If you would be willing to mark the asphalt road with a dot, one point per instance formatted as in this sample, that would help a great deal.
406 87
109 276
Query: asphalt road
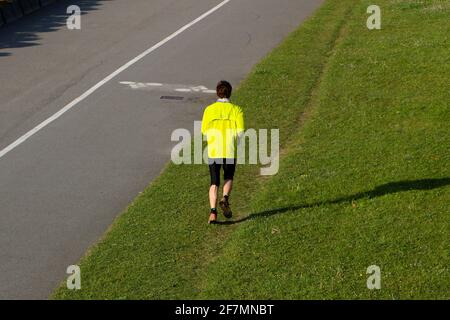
63 186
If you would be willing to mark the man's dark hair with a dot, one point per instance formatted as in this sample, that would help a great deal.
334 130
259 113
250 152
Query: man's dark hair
224 89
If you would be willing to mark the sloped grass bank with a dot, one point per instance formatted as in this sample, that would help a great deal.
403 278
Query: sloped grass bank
367 182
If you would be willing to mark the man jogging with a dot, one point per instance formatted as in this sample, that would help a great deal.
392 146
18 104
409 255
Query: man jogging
222 123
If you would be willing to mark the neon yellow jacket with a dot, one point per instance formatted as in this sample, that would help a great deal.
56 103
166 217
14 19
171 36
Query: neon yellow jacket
222 123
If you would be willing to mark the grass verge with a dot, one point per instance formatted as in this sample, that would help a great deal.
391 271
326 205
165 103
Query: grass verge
364 179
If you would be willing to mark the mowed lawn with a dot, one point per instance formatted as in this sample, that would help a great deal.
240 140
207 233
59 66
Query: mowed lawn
364 177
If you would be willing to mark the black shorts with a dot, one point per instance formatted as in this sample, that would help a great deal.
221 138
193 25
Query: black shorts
229 166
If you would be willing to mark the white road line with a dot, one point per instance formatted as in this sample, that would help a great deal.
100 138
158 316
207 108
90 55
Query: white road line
86 94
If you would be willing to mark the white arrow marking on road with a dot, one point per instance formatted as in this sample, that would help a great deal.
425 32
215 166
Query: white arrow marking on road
183 90
167 87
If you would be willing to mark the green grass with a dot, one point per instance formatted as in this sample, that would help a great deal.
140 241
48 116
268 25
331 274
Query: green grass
364 177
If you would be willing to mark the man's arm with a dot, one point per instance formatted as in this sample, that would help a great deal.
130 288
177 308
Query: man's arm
240 125
205 122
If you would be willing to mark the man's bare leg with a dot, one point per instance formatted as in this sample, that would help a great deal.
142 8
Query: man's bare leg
213 195
213 202
227 187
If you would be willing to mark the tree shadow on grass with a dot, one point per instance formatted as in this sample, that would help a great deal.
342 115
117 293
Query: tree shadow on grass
388 188
24 32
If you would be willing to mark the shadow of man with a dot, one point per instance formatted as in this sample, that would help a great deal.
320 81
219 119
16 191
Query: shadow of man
388 188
